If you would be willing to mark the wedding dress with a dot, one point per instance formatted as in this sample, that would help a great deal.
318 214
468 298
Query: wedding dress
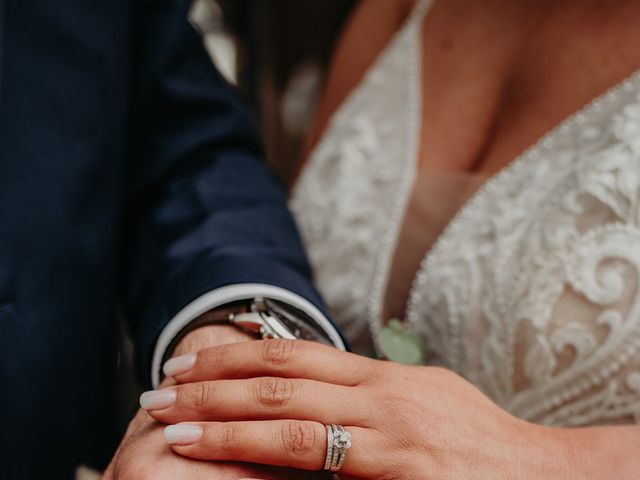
532 291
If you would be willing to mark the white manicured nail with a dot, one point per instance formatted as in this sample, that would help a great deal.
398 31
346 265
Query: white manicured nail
158 399
183 434
179 365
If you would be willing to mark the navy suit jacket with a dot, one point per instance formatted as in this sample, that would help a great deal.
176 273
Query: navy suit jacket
130 181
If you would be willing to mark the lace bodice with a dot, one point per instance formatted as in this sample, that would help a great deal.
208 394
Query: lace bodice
532 292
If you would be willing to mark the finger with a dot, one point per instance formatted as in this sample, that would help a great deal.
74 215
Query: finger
265 398
286 443
281 358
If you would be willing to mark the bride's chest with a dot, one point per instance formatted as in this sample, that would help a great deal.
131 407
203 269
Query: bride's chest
532 290
485 101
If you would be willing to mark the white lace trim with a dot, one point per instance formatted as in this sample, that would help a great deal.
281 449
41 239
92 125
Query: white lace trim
413 59
350 199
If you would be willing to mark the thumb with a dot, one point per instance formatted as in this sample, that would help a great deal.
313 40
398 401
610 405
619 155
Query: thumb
108 474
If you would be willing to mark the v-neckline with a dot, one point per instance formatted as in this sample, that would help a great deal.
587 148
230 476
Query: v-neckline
421 11
529 154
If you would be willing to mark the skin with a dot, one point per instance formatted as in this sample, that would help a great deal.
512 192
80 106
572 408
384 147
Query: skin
144 455
496 74
259 402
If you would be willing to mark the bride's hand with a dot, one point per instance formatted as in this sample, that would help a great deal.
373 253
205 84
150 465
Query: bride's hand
267 402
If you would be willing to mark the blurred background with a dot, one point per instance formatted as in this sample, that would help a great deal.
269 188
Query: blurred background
276 53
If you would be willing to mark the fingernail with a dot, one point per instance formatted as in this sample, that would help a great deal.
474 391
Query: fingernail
183 434
179 365
158 399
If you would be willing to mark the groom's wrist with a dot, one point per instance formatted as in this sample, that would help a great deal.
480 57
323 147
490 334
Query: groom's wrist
213 308
208 336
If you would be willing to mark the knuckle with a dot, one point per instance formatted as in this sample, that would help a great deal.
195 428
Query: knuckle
202 394
300 438
278 352
228 437
374 372
381 371
274 392
371 377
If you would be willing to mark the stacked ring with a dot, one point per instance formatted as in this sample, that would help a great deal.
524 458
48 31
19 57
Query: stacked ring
338 442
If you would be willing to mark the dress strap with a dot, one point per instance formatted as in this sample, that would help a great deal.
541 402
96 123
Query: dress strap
420 10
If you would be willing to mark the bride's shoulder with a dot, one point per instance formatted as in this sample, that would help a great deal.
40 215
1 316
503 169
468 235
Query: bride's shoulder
371 26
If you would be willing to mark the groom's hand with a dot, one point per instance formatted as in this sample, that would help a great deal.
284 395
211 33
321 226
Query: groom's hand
144 453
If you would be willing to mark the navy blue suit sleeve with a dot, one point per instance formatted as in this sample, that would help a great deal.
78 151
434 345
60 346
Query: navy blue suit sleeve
202 209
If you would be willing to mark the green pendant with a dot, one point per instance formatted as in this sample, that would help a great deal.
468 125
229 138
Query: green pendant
400 345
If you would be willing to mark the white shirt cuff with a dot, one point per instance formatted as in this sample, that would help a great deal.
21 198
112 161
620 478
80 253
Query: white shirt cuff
232 293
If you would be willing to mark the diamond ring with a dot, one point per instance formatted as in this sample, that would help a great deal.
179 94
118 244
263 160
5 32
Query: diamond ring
338 442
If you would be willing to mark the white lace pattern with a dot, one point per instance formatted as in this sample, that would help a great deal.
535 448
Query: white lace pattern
533 290
545 262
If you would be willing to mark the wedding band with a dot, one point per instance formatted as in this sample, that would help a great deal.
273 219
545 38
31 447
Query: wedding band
338 442
329 457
